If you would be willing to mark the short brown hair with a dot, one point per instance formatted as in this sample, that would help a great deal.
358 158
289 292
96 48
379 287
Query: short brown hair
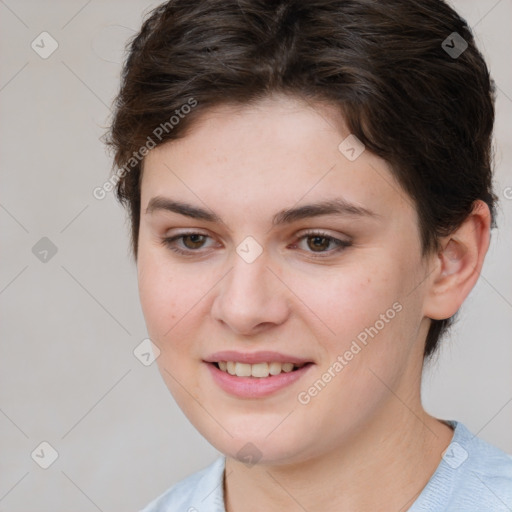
386 64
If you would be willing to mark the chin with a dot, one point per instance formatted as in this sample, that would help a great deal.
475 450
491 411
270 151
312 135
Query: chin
256 441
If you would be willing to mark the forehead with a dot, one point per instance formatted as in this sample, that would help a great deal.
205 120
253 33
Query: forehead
260 158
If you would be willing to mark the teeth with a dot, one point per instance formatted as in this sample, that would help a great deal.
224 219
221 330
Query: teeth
260 370
287 367
274 368
243 370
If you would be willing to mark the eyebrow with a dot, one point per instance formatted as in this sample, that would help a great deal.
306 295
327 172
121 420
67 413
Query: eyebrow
336 206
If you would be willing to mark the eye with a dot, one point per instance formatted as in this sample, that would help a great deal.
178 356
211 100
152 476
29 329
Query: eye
191 241
319 243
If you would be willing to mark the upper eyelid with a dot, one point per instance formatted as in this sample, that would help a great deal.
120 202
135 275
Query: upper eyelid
307 232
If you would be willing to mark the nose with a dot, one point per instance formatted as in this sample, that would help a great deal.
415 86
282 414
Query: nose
251 298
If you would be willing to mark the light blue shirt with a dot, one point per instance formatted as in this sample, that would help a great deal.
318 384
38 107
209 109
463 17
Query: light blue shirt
473 476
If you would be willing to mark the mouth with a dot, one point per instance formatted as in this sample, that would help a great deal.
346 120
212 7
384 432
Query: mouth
258 370
255 375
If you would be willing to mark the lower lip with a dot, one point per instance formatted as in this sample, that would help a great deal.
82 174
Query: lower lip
255 387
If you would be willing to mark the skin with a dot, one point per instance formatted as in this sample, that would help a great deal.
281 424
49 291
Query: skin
364 442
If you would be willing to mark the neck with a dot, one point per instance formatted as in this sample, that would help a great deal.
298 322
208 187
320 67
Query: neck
383 465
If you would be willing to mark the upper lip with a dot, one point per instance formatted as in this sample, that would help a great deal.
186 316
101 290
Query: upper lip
255 357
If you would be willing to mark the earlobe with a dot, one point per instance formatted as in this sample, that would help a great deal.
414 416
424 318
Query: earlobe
458 264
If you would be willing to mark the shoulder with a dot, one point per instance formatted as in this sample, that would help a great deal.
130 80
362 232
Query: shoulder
473 475
486 469
200 491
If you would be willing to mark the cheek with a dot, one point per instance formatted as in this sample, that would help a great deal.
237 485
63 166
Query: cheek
175 304
156 295
169 302
164 296
365 314
342 302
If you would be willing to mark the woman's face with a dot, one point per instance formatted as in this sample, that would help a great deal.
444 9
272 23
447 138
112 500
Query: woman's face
268 272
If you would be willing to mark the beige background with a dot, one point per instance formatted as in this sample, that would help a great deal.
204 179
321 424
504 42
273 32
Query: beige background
68 375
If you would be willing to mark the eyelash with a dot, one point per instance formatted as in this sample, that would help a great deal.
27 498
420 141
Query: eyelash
341 244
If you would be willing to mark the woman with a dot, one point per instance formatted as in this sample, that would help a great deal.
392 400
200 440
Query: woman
309 187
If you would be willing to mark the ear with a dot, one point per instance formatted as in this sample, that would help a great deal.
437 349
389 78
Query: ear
458 264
